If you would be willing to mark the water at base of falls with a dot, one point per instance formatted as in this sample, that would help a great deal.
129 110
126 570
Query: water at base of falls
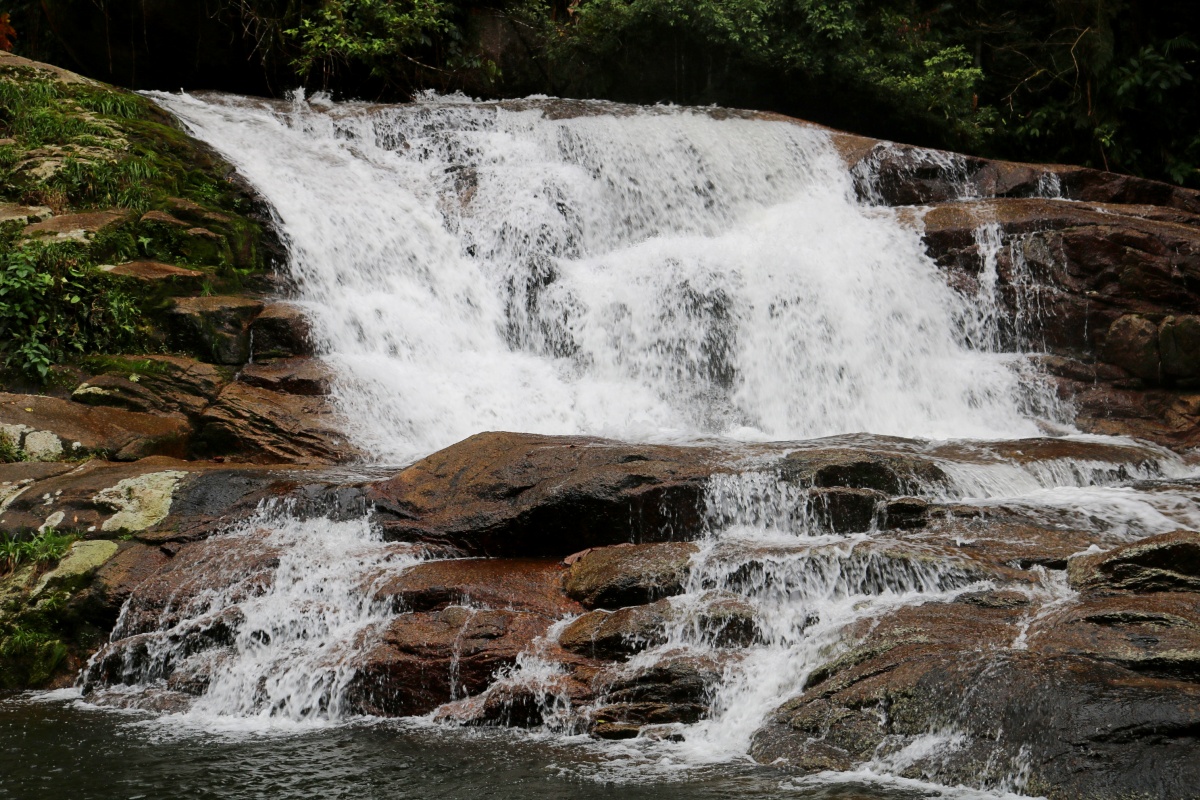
653 274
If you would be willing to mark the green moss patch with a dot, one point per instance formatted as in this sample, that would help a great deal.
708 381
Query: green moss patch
76 146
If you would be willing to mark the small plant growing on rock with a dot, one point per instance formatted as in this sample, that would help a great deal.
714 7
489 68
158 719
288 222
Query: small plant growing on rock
42 549
10 451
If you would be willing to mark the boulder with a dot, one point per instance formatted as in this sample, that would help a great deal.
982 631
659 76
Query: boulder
617 634
509 494
215 329
269 427
676 689
1166 563
52 429
163 384
859 465
282 330
132 564
625 575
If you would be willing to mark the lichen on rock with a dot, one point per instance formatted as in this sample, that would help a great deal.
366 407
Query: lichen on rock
139 502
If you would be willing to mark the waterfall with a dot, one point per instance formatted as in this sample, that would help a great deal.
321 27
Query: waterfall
645 274
634 273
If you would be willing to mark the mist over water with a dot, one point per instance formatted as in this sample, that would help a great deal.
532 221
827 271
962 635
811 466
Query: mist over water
638 274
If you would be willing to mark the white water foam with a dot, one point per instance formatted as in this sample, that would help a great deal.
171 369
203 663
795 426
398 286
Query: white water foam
635 273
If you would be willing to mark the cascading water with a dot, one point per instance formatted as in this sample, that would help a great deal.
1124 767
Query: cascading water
642 274
647 274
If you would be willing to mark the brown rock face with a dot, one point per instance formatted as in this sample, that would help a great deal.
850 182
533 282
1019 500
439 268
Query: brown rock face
54 428
1132 344
612 577
531 585
303 376
1179 346
425 659
158 274
1051 703
264 426
1166 563
148 384
282 331
78 226
500 494
215 328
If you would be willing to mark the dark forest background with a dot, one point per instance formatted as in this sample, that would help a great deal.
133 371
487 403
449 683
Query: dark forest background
1106 83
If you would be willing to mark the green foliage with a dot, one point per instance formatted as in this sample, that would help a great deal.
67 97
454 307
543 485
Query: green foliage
860 52
28 657
374 33
45 547
54 303
10 452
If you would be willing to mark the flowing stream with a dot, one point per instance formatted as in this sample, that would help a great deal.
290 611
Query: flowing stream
654 274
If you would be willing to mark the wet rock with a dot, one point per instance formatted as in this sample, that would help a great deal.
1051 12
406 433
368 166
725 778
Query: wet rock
861 467
422 660
1156 634
845 510
722 619
78 227
612 577
305 376
676 689
1166 563
905 513
505 494
899 174
158 274
132 564
532 585
1179 345
215 329
1132 344
196 582
617 634
603 729
164 384
1038 700
53 429
282 330
271 427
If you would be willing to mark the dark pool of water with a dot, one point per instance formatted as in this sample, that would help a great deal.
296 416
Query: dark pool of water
61 749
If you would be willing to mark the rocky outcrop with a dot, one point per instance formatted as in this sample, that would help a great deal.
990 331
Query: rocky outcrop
1044 706
1167 563
499 494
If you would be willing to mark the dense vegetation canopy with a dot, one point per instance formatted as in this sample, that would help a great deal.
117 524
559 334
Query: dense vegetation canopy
1108 83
